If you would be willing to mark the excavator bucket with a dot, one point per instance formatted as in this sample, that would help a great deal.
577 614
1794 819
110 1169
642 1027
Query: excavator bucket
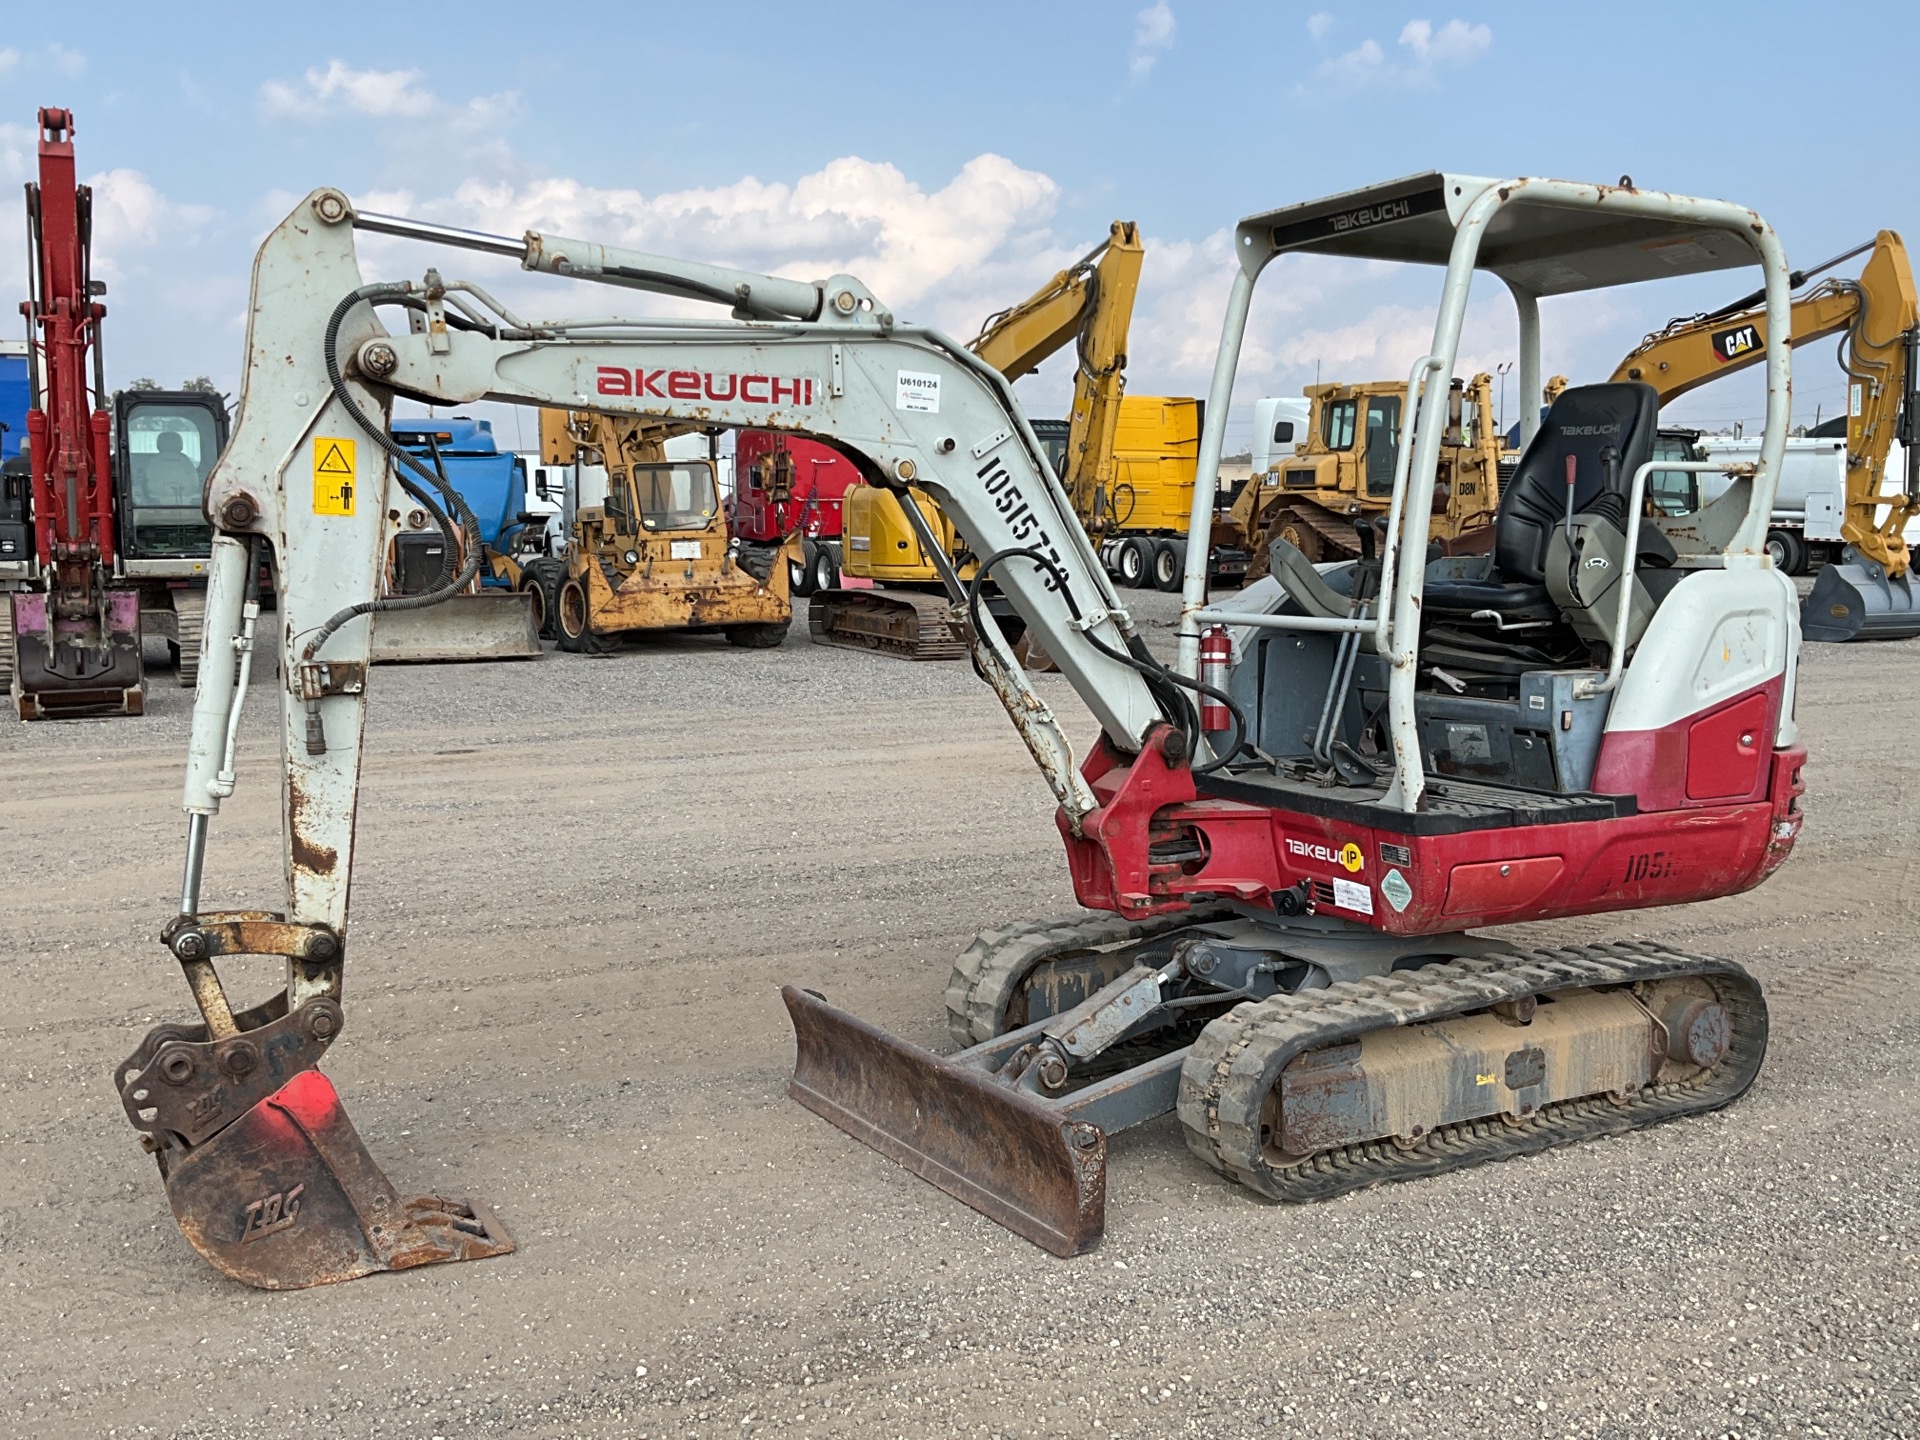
490 625
287 1197
1041 1174
57 677
1857 600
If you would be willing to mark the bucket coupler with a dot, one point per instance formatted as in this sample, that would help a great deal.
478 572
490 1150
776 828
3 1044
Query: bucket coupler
1016 1127
265 1173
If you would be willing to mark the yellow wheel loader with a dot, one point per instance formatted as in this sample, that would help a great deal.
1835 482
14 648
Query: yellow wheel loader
655 553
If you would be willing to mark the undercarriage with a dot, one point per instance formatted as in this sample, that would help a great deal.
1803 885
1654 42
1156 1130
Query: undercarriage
1304 1061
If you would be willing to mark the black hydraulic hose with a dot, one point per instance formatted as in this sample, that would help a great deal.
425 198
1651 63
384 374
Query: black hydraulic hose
466 537
1160 680
697 290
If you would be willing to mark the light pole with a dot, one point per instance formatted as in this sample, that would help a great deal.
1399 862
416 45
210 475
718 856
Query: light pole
1501 369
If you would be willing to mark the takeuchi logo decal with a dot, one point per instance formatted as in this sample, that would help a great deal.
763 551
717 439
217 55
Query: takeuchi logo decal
664 384
1349 857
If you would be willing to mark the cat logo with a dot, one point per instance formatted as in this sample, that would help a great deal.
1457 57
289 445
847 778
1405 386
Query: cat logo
1730 345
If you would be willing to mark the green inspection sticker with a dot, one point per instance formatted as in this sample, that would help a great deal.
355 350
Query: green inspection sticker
1399 894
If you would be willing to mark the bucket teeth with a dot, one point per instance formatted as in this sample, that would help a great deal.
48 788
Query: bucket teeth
1040 1173
287 1197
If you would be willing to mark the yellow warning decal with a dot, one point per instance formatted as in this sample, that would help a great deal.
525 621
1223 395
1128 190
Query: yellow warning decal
1352 860
334 475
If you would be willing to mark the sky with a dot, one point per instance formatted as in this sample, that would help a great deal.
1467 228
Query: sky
954 157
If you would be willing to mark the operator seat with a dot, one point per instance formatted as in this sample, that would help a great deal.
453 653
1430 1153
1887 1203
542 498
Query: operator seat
1583 422
1505 620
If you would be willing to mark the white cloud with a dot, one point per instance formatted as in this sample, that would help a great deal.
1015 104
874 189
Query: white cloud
19 145
57 58
1455 43
380 94
951 254
1319 23
1423 53
128 213
1152 37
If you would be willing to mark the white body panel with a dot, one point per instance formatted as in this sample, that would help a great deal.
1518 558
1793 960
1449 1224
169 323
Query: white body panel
1719 634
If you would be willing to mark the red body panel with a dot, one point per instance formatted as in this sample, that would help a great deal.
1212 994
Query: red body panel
1709 758
1446 882
821 477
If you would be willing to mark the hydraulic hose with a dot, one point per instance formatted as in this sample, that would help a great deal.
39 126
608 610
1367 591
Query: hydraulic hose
1165 684
465 539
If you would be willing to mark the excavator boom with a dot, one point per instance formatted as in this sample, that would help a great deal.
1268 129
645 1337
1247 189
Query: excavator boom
1869 594
76 636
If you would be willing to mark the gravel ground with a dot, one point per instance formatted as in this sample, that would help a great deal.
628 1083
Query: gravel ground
580 883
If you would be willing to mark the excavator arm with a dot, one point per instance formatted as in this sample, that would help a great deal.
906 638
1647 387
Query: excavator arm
1879 314
1090 304
263 1170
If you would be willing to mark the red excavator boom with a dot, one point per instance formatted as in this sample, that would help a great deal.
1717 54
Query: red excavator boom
76 636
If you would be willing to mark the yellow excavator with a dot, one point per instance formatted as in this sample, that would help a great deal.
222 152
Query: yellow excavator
1341 475
1138 489
1870 593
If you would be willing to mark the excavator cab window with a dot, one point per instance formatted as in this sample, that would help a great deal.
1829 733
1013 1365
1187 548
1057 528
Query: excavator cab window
677 496
1053 436
169 451
1383 442
1336 424
1674 492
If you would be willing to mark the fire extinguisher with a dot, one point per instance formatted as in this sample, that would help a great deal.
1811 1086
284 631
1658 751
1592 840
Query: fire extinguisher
1216 654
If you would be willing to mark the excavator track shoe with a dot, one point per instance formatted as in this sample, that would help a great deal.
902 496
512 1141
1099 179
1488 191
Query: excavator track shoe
287 1197
1853 601
1039 1174
1309 1095
915 627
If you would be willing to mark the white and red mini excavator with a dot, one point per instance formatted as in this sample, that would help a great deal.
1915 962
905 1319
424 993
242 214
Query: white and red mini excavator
1293 833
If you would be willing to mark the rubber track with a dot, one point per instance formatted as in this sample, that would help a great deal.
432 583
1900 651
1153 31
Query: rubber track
991 968
189 619
934 638
1237 1062
6 642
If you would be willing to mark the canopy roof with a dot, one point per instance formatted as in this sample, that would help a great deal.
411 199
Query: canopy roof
1542 248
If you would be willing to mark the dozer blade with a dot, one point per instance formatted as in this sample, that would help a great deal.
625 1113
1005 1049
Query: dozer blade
492 625
1039 1173
1853 601
287 1196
